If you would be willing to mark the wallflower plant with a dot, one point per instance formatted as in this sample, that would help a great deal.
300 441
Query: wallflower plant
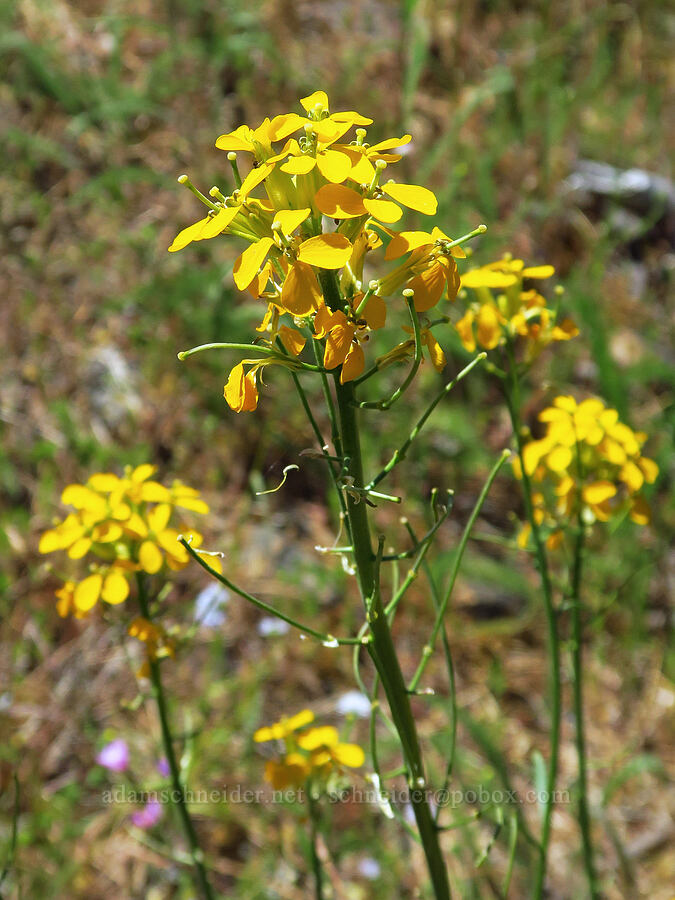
312 222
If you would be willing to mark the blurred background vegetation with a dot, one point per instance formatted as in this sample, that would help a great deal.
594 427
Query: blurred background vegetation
102 105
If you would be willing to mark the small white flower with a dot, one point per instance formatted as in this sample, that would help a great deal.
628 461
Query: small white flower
355 703
270 626
369 868
208 605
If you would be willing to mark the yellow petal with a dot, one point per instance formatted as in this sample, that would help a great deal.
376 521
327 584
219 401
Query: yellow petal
324 320
158 518
115 588
87 593
187 235
488 327
240 139
327 251
375 312
324 736
292 340
318 98
290 219
300 294
219 222
349 755
339 202
405 241
247 265
338 342
253 179
334 166
383 210
478 278
81 497
632 476
150 558
465 331
413 196
104 482
80 548
649 469
532 455
240 391
538 272
598 492
435 352
283 125
354 364
154 492
143 472
559 459
299 165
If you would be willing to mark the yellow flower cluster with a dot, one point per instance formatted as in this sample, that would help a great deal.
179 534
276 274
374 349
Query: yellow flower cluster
593 462
310 753
513 312
124 523
325 208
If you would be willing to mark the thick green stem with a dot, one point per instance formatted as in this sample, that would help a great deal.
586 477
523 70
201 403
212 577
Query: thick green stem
178 792
513 402
577 690
314 841
382 649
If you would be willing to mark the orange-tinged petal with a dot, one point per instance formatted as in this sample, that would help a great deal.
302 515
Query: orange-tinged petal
290 219
327 251
324 320
300 294
383 210
413 196
247 265
259 282
354 364
640 512
349 755
334 166
405 241
428 287
435 352
338 342
339 202
150 557
115 588
241 392
452 278
87 593
292 340
375 312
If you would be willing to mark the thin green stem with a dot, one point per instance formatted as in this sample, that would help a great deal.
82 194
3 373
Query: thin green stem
440 615
577 690
512 394
328 640
417 359
403 449
314 831
178 793
289 361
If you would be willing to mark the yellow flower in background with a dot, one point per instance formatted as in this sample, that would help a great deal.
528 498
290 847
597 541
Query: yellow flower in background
157 644
513 313
124 523
592 463
309 752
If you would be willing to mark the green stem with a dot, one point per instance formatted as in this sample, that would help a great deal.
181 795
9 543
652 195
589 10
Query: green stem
291 362
513 403
178 793
314 838
577 690
327 639
403 449
389 402
440 614
382 649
